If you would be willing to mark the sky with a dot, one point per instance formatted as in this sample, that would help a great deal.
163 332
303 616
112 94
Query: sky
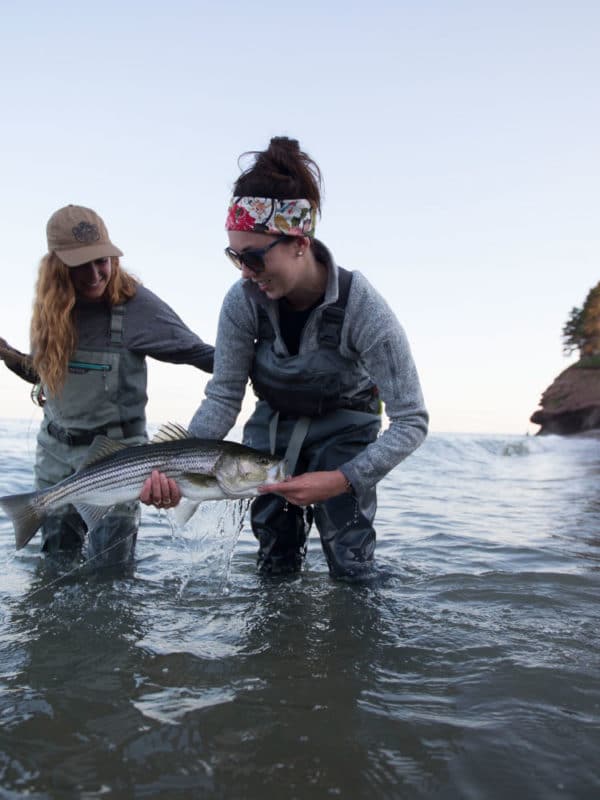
458 143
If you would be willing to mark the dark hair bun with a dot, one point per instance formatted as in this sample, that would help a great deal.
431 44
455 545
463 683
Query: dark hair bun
281 149
282 171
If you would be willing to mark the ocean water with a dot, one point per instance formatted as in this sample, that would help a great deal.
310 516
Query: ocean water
470 668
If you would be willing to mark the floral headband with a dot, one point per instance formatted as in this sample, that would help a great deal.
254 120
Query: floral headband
268 215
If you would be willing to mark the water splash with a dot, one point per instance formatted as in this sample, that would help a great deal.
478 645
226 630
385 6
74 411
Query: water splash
211 535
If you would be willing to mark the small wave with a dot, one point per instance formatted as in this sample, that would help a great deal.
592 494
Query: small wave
463 449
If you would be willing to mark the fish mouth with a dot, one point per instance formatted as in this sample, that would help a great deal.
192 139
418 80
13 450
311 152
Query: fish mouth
277 473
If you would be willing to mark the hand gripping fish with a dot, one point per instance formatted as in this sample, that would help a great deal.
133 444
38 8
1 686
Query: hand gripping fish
205 469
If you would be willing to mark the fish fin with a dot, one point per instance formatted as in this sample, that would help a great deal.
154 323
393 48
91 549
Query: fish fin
25 515
170 432
198 487
198 479
100 448
184 512
91 515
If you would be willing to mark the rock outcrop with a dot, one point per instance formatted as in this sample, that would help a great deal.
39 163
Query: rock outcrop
572 403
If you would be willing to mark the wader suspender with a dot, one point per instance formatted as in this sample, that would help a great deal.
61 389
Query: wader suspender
116 325
330 334
117 318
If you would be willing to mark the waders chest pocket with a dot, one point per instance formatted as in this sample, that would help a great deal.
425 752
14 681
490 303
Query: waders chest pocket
82 367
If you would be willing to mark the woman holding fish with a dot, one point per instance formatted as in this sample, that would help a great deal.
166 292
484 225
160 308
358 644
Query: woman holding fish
322 349
92 328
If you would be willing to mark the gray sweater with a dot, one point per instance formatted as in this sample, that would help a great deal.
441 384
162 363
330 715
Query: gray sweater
370 330
152 328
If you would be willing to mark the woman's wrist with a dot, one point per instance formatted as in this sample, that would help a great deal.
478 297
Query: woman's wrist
348 488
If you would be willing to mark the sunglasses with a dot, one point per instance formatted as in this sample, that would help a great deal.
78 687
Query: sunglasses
253 259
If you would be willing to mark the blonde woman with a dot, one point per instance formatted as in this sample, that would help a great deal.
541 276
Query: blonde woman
93 325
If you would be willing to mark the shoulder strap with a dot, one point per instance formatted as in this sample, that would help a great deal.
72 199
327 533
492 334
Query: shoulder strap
344 284
265 329
332 318
117 315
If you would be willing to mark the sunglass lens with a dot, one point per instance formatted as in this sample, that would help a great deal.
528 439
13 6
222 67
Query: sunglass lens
233 257
253 261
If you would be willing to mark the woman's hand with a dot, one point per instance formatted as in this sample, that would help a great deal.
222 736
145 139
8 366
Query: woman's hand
310 487
160 491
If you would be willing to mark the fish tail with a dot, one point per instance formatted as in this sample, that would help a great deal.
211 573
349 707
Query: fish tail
25 514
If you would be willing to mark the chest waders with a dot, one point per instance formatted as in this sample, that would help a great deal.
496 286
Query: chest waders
318 409
104 393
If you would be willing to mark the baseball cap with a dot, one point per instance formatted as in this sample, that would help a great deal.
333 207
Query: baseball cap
78 235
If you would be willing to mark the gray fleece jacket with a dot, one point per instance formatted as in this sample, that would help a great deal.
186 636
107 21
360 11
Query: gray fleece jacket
370 333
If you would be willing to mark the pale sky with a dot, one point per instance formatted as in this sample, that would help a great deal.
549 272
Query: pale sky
458 143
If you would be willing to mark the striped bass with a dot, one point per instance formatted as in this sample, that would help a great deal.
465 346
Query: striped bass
112 473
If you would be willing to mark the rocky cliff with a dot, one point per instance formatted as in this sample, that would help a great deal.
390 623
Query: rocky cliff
572 403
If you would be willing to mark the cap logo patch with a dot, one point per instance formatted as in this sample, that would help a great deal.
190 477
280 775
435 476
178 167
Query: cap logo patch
86 233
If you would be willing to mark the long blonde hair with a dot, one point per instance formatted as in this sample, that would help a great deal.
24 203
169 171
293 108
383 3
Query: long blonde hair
53 332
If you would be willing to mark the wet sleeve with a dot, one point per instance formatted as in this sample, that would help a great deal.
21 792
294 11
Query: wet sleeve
385 352
224 393
154 329
19 363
